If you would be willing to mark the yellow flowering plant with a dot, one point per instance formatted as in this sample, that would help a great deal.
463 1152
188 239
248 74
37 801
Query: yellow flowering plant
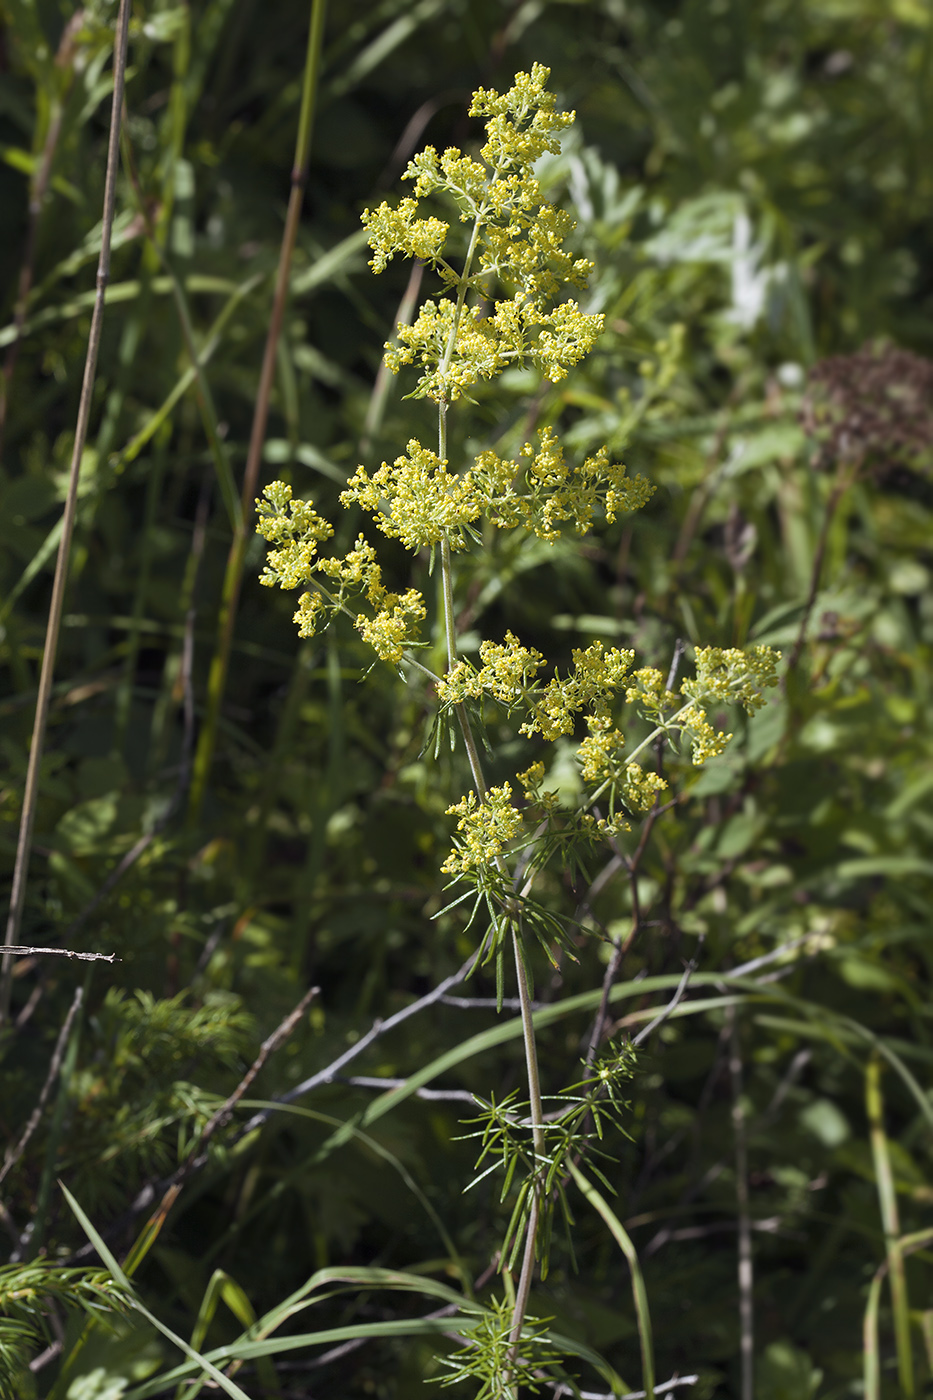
503 303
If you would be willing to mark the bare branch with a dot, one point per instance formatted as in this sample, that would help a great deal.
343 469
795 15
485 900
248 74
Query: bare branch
22 950
659 1020
486 1003
268 1047
664 1389
442 1095
14 1153
378 1029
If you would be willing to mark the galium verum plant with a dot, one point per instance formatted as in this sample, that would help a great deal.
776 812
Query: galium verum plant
503 303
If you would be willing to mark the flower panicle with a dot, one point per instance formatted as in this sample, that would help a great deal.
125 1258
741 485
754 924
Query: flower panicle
518 243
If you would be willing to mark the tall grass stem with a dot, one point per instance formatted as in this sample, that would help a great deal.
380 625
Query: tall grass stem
53 627
890 1220
233 577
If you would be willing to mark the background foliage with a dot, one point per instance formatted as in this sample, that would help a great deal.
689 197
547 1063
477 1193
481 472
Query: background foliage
751 179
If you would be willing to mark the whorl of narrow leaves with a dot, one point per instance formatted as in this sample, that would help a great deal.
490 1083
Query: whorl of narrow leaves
27 1293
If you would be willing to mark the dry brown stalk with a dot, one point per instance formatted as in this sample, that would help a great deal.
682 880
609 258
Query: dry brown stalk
53 628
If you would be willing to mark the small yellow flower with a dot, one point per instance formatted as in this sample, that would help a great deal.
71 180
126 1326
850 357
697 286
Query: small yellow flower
485 829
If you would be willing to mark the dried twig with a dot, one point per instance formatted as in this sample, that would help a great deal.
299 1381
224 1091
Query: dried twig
485 1003
23 950
662 1016
664 1389
363 1081
171 1187
225 1112
53 628
14 1153
378 1028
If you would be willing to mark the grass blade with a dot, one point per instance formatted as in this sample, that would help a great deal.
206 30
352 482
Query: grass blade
639 1293
887 1201
200 1362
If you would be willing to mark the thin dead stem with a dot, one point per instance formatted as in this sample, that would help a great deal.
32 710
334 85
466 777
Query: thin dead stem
169 1189
26 950
675 1000
53 628
15 1153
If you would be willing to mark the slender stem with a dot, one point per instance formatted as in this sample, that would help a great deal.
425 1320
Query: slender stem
53 628
537 1128
844 479
37 192
746 1265
528 1034
13 1154
233 576
887 1201
524 992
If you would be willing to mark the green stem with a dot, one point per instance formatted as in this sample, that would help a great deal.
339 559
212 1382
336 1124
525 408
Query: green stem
887 1200
523 1290
233 577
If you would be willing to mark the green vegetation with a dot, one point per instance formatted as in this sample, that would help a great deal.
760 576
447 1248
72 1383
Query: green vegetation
526 805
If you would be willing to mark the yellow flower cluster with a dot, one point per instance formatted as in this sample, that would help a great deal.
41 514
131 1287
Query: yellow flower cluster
556 493
649 693
639 789
600 754
518 241
597 674
508 676
528 250
523 124
425 501
298 528
707 742
395 625
457 350
507 672
485 829
420 501
394 231
732 676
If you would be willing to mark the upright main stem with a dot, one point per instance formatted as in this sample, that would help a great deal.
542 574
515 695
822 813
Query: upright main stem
524 991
